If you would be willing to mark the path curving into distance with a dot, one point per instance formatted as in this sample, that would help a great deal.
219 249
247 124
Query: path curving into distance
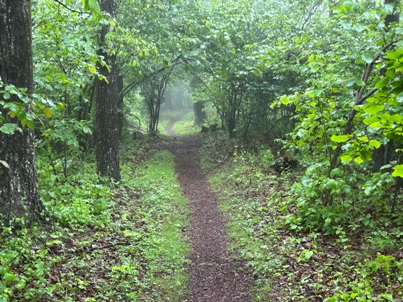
215 276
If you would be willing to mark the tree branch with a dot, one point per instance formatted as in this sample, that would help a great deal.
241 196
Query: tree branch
69 9
359 99
132 85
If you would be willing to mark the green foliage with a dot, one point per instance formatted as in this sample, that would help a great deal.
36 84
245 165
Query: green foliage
232 69
328 233
92 5
297 247
383 269
60 145
107 241
19 106
347 114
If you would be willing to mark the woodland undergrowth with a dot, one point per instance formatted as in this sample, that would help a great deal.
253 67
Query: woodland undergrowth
356 259
106 241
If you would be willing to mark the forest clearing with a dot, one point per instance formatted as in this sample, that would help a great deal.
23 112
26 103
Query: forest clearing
201 150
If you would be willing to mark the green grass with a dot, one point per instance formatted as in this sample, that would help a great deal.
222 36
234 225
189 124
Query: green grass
167 205
184 126
116 242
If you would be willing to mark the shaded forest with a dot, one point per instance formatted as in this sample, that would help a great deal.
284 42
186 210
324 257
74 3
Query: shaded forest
299 107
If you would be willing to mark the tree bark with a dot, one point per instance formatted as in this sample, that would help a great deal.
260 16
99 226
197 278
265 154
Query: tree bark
392 17
106 119
19 193
153 91
120 103
199 113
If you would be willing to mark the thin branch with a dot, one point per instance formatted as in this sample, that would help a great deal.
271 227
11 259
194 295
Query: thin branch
369 94
359 99
132 85
311 13
69 9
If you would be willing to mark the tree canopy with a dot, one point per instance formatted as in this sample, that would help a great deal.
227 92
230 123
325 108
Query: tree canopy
317 81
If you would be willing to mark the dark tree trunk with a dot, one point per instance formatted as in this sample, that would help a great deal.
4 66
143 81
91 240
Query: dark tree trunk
106 120
153 91
121 116
233 108
19 194
151 107
392 17
199 113
386 153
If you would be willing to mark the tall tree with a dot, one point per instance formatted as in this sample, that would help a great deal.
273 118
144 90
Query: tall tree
106 120
19 194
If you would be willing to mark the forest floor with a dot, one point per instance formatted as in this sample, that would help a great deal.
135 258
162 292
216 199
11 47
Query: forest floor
215 274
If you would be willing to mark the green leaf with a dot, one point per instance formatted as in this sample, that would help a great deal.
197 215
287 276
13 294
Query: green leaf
372 120
30 124
398 171
360 83
93 69
20 285
92 5
9 128
395 55
365 155
48 112
367 59
335 172
363 139
285 100
9 277
375 144
389 8
373 109
349 82
346 157
308 255
382 83
21 115
340 138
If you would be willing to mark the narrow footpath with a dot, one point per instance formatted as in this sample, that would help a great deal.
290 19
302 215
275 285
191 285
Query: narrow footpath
215 276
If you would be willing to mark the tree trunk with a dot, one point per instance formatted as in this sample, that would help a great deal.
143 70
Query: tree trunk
19 194
106 120
199 113
392 17
386 153
120 104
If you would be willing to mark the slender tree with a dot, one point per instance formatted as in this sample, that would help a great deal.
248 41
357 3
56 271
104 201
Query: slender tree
153 91
19 194
106 120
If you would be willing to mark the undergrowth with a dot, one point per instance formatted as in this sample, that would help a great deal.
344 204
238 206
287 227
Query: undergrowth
106 241
291 261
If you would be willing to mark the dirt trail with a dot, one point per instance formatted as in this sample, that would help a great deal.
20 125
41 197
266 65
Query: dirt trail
215 276
172 122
